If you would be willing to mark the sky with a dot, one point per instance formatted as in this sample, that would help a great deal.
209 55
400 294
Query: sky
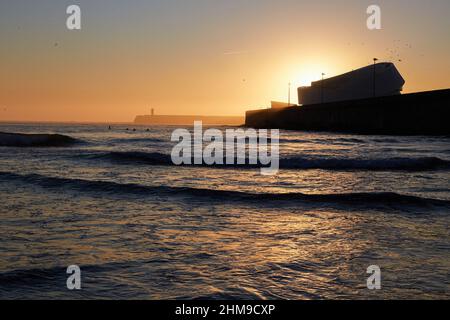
202 57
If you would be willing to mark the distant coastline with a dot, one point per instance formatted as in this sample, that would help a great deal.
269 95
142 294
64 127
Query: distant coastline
143 120
188 120
63 122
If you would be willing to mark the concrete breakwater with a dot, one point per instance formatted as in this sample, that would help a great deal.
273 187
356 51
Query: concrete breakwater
188 120
422 113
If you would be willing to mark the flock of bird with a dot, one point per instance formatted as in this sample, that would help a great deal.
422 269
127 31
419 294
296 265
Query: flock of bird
395 52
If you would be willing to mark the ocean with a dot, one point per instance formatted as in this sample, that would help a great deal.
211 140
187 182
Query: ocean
140 227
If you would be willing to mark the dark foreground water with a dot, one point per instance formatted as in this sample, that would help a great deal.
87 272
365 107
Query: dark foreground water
142 228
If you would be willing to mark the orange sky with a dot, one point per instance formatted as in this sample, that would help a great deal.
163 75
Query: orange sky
202 57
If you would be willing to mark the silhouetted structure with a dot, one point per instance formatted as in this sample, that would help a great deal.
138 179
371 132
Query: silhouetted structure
357 84
422 113
280 105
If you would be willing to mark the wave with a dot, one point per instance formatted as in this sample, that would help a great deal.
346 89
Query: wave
237 293
25 277
33 276
386 140
133 157
350 140
138 140
35 140
322 141
400 164
281 140
221 195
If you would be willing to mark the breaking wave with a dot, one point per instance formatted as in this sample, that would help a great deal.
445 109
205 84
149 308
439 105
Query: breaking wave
328 163
402 164
221 195
35 140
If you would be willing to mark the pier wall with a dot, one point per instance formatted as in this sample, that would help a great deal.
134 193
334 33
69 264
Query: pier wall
423 113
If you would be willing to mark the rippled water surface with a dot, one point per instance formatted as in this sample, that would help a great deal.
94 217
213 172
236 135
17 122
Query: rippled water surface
142 228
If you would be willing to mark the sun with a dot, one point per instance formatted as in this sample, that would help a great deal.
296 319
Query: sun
304 76
301 74
309 71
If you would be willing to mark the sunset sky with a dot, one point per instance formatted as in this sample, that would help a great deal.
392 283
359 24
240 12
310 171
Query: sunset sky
208 57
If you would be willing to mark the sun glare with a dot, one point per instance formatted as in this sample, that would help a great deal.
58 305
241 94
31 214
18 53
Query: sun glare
303 76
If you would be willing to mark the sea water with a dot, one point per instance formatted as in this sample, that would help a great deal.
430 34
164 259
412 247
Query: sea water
140 227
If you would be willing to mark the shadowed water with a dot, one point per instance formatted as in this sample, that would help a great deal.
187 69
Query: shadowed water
140 227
